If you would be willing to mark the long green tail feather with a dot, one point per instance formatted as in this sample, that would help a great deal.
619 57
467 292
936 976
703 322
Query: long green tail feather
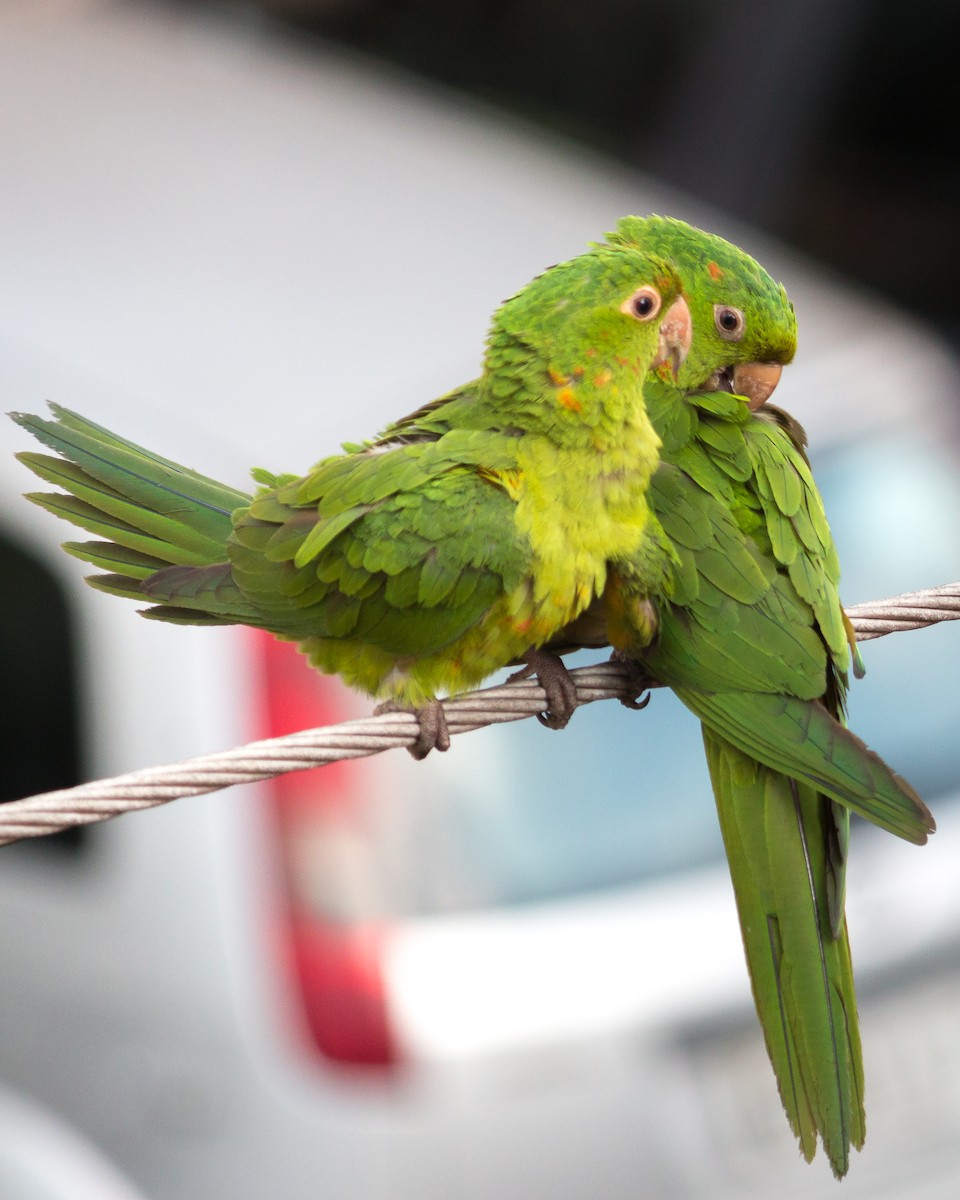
185 616
132 486
777 835
801 739
198 488
119 560
150 513
161 538
117 585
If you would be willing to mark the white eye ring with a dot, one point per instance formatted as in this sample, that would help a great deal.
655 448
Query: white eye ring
644 304
730 322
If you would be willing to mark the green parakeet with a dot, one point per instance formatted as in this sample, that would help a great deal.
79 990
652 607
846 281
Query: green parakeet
420 567
734 604
751 636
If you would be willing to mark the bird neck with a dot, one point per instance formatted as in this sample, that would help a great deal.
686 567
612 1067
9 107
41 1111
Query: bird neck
591 400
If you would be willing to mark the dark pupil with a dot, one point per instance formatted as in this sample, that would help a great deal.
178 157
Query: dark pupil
729 321
642 305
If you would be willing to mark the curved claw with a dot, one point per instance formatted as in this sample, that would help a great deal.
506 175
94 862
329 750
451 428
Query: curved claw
553 719
556 681
434 734
638 680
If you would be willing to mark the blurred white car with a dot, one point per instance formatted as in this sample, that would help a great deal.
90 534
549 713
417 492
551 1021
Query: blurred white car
512 971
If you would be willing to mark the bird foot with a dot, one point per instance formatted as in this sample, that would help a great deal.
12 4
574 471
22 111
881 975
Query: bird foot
556 681
638 681
434 734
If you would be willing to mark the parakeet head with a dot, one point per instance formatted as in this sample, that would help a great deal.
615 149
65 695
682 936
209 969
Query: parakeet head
613 312
744 326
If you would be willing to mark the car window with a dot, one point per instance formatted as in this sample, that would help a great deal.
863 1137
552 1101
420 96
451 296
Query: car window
892 502
39 711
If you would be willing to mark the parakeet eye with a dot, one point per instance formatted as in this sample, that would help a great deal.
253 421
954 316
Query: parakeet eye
644 304
729 321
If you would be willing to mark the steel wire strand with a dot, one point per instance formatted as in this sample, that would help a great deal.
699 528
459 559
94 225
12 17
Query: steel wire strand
50 812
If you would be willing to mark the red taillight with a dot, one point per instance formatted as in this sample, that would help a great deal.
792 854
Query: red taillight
341 987
331 943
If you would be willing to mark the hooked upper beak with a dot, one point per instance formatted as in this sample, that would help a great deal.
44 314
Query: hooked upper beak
756 381
676 330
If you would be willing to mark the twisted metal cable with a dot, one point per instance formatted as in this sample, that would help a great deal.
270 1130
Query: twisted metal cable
912 610
51 812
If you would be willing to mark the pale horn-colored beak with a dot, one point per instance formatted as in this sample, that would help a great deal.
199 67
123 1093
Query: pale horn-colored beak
676 332
756 381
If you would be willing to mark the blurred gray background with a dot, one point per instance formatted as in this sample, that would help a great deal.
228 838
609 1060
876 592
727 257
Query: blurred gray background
828 123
